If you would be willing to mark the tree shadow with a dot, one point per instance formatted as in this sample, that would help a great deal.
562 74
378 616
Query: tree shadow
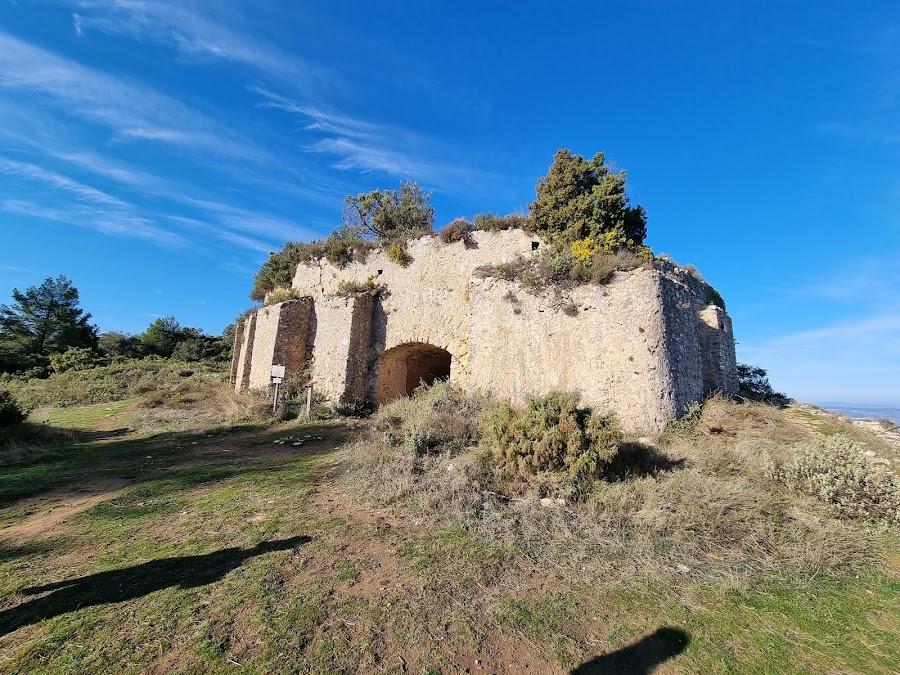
635 460
133 582
640 658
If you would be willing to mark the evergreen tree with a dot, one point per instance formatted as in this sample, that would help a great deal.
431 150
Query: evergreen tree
581 198
43 320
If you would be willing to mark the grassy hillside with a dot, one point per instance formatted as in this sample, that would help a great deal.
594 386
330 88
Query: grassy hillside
183 530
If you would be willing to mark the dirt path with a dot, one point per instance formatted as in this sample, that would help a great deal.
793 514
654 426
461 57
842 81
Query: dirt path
55 508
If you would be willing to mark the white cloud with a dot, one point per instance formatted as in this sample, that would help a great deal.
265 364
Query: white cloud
360 145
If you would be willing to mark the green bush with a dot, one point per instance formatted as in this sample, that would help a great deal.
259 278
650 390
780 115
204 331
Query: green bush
835 471
398 254
493 223
350 288
11 412
74 358
282 295
438 418
552 433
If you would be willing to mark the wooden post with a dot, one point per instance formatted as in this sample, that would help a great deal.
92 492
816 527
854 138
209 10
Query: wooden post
309 397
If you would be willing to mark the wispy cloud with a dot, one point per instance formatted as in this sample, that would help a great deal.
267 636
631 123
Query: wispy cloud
129 109
120 224
197 34
870 282
361 145
35 173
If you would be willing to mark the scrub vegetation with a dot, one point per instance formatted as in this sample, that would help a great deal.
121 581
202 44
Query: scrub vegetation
581 212
176 527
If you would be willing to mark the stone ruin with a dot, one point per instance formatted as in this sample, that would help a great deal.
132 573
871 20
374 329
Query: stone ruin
645 345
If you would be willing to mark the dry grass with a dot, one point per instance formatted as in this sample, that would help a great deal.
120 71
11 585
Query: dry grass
696 503
198 405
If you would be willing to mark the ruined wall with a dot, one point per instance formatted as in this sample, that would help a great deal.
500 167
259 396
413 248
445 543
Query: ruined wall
342 352
277 334
719 366
646 344
612 351
242 379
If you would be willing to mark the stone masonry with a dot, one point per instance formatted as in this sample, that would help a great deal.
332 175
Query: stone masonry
645 345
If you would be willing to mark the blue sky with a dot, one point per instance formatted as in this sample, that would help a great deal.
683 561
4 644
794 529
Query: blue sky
154 152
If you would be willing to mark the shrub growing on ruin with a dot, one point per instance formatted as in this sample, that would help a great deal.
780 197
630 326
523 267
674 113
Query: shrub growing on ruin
389 215
457 230
490 222
398 254
351 287
835 471
282 295
552 433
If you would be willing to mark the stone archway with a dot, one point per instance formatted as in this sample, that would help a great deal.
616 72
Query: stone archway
406 366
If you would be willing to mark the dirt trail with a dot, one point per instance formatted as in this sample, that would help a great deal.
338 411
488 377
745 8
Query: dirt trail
55 508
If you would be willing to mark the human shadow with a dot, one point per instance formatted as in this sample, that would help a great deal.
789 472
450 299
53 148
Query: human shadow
133 582
640 658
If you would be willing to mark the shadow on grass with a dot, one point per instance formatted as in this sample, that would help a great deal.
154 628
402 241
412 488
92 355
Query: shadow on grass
184 457
133 582
635 460
640 658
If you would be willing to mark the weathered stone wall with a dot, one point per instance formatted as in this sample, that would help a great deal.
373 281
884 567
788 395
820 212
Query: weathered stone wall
290 349
342 353
239 337
717 351
612 351
279 336
242 382
646 344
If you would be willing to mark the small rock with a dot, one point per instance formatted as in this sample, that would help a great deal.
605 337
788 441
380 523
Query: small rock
560 501
547 501
451 466
869 453
274 441
295 443
684 569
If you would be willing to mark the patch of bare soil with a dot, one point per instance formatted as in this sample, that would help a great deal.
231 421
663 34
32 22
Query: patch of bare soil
53 509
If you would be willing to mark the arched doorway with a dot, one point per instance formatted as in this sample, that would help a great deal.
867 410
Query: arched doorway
405 367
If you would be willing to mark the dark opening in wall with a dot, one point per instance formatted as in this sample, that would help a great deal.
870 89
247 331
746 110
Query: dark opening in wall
407 366
534 245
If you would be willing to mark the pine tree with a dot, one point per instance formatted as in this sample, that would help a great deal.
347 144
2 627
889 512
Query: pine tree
43 320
